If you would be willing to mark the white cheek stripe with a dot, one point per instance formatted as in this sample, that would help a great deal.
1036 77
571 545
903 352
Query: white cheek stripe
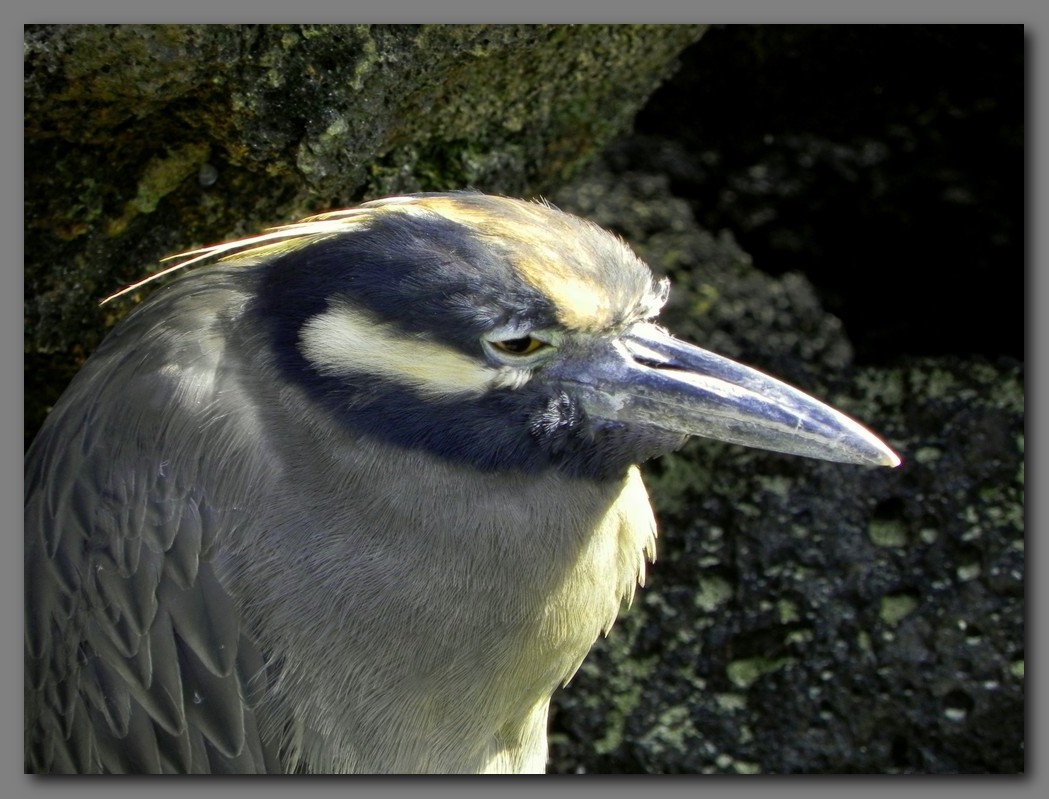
347 340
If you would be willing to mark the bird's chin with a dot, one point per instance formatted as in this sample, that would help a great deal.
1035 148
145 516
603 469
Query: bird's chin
609 449
649 441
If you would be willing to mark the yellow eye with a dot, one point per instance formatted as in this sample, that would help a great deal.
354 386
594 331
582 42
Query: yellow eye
525 345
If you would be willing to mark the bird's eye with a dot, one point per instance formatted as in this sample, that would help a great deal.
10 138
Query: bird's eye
512 349
524 345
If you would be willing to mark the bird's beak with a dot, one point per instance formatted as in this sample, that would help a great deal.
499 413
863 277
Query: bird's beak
647 376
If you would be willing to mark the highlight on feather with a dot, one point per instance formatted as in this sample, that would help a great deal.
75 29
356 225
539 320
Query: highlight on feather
308 228
311 228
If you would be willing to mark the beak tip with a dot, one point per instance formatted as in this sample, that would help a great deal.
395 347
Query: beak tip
875 451
890 459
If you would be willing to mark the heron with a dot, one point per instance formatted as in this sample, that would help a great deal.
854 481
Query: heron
359 493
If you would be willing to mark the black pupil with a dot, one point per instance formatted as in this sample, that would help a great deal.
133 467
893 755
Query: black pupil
517 346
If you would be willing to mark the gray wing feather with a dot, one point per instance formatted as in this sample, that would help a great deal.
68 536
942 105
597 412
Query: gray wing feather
135 657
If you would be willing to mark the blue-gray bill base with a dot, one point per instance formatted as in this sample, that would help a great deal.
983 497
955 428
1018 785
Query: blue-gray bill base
360 495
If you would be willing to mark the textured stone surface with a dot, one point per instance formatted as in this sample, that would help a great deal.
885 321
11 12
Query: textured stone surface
144 139
805 616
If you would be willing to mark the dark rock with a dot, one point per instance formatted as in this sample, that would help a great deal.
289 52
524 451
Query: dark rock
805 616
